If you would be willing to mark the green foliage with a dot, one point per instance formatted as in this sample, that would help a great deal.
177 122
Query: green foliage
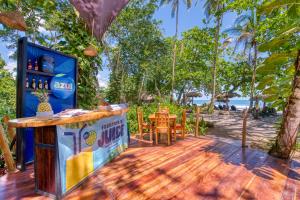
7 92
277 69
202 127
137 54
55 24
195 56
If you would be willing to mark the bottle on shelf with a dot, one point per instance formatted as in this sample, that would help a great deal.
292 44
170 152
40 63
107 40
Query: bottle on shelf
46 86
33 84
36 66
27 83
29 65
40 84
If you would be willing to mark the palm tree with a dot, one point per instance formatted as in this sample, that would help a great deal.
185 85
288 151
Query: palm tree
175 11
214 8
244 29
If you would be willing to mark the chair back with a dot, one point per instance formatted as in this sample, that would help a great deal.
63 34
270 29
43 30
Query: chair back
140 119
162 120
163 109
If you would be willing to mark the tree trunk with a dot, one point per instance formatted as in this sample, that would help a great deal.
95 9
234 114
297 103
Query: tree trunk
180 94
287 136
141 89
252 92
157 89
217 33
174 52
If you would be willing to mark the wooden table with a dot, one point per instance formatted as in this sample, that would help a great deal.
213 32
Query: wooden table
47 166
172 118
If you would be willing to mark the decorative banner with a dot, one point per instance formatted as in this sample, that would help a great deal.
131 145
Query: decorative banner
99 14
83 148
62 86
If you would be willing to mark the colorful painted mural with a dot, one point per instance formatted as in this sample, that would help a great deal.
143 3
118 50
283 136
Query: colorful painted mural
85 147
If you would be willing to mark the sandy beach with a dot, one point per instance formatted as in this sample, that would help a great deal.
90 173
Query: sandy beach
260 132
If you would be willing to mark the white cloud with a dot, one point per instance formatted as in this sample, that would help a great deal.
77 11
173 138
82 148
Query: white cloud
41 27
102 83
10 53
11 66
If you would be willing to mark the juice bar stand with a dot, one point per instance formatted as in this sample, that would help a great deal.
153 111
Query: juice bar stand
67 145
68 150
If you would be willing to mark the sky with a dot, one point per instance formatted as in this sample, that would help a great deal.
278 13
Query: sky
188 18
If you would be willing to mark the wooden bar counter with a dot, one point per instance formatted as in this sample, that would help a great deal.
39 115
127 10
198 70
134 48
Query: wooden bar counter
54 176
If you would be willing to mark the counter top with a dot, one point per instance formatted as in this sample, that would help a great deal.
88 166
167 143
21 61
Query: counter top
53 121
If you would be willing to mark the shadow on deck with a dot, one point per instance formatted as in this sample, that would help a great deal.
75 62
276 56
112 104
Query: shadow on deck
194 168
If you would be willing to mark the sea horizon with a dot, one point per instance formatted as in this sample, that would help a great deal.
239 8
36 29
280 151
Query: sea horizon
239 103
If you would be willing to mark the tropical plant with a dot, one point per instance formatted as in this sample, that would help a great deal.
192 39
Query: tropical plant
175 11
202 127
281 69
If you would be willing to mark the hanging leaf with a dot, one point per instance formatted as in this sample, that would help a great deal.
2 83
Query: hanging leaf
279 58
13 19
272 44
266 69
271 90
271 98
267 80
269 6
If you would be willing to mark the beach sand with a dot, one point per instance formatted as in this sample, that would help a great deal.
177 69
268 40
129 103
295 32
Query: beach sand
261 133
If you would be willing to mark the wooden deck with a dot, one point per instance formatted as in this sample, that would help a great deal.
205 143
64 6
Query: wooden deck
195 168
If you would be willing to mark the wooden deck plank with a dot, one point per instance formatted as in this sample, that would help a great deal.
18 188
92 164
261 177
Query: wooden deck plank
291 189
227 183
194 168
269 180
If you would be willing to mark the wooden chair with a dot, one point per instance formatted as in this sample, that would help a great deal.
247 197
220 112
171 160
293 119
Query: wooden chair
142 126
162 126
181 127
163 109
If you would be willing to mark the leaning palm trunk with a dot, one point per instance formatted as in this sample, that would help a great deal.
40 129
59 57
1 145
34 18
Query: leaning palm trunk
213 96
253 76
287 135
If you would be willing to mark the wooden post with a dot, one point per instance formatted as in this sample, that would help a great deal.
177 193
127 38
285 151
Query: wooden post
197 121
6 152
244 133
10 130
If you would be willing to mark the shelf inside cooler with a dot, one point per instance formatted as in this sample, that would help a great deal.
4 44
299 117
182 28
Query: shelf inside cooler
32 90
39 73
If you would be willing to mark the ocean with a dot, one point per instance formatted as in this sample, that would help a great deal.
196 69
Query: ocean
239 103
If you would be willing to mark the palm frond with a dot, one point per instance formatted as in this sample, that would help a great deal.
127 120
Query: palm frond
208 8
162 2
188 3
226 42
242 20
234 30
174 7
